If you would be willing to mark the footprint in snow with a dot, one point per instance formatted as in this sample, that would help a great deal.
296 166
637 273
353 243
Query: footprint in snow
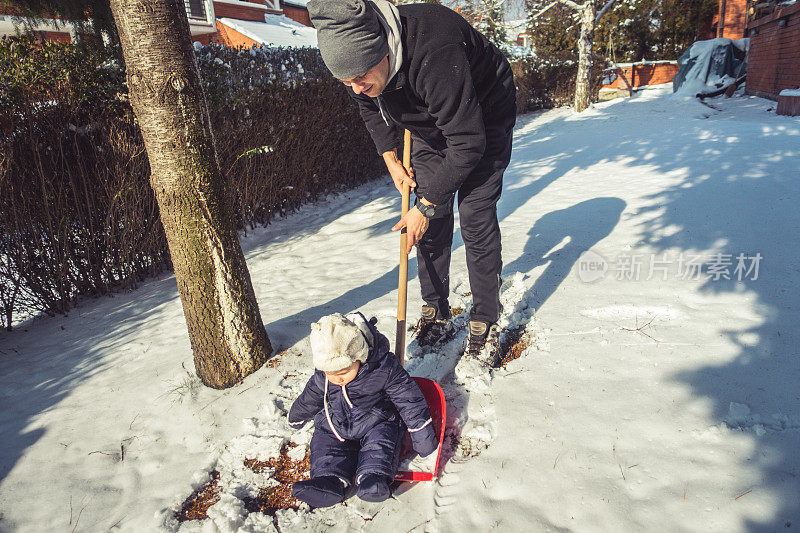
467 383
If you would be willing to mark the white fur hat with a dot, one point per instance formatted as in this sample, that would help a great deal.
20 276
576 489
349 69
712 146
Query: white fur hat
338 341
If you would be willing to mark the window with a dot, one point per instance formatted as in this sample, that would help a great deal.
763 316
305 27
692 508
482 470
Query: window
196 9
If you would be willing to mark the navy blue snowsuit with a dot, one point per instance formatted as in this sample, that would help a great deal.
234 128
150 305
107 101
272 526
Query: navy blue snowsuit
358 428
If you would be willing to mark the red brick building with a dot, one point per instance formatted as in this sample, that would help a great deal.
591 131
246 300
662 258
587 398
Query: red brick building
247 23
731 19
227 22
296 10
46 29
774 56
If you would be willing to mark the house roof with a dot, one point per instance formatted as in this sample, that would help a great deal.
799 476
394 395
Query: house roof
276 30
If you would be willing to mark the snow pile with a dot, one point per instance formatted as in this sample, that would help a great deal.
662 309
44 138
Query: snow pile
276 30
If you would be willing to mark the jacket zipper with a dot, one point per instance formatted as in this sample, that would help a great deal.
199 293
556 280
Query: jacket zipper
385 113
327 413
380 108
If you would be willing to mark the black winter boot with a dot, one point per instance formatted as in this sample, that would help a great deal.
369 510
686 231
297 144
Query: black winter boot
374 488
434 327
322 491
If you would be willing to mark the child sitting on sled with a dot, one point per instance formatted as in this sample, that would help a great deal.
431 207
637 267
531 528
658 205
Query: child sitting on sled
362 401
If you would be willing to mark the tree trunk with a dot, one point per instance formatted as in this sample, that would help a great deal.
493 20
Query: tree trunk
584 79
225 329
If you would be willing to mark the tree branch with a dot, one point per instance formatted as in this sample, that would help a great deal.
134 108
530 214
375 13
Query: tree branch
573 5
603 11
543 10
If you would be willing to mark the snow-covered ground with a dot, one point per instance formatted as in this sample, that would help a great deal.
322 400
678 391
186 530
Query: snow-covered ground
654 396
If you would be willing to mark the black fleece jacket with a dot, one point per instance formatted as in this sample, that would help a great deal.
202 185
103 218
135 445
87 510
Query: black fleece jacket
453 83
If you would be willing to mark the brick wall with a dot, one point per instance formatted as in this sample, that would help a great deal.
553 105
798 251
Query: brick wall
731 18
297 14
43 36
229 37
639 75
204 38
55 36
788 105
222 10
773 61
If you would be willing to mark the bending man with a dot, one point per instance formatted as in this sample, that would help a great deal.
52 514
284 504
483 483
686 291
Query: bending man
422 67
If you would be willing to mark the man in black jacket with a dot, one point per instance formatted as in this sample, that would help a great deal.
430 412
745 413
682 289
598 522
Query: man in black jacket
422 67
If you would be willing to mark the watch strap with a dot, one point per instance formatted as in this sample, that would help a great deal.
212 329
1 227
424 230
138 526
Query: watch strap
426 210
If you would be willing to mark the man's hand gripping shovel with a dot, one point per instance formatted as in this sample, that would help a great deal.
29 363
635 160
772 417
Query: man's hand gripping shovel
432 391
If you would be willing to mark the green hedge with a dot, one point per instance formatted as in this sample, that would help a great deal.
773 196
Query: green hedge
544 84
77 215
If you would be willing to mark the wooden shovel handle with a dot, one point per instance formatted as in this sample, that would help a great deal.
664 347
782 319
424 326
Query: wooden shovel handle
402 293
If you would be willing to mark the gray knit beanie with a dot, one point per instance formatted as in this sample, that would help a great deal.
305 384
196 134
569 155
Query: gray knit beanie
349 35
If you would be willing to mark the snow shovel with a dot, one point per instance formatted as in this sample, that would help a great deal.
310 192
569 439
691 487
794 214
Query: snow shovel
430 389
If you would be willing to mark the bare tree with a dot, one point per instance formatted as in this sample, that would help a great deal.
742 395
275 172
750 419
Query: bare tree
225 329
589 18
486 16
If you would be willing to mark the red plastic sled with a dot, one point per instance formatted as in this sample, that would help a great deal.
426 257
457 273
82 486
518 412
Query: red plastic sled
435 398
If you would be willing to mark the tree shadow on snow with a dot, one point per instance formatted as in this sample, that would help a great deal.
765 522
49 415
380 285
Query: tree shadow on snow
739 195
743 199
45 359
356 298
736 197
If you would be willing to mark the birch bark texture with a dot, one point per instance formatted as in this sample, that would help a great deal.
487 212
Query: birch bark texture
589 18
227 335
583 80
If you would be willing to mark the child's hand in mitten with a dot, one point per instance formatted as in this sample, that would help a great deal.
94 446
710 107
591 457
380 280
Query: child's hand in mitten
425 441
427 449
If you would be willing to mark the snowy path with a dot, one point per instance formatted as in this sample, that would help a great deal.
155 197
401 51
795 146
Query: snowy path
662 402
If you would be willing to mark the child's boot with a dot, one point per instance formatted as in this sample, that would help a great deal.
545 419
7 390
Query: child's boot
374 488
322 491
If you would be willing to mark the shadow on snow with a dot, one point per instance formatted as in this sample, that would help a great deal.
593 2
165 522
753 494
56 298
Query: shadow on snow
736 197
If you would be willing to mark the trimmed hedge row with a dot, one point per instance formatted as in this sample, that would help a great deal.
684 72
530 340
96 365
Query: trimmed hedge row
543 84
77 214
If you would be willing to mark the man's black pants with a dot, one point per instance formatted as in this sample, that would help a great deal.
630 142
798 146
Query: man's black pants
480 230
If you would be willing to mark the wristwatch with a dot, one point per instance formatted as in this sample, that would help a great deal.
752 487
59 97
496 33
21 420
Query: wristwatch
426 210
